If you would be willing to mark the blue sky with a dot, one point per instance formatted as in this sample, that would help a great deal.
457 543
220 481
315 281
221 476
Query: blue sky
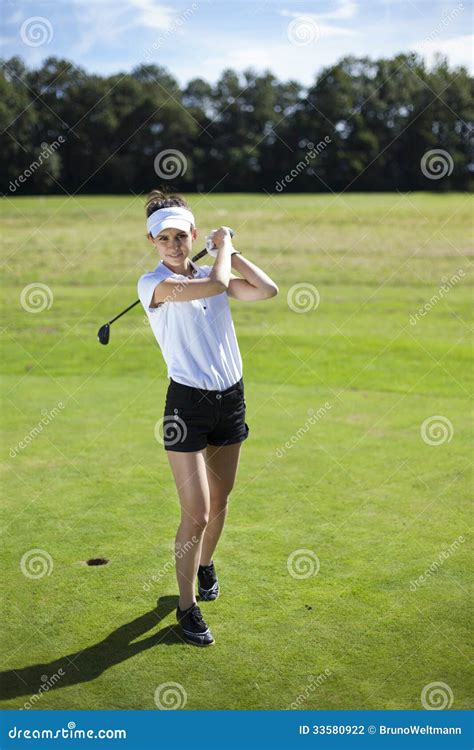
202 37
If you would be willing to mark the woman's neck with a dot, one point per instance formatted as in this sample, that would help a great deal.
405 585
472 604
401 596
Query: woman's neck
184 269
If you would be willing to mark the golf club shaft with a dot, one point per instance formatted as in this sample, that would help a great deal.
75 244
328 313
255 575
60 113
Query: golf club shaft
124 311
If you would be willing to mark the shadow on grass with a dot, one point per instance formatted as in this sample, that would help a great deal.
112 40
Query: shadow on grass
88 664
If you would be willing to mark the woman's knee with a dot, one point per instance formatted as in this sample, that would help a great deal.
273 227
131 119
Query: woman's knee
195 523
219 501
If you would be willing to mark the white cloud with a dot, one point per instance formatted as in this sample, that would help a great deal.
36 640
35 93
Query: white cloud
326 31
17 17
151 15
104 23
4 40
346 10
283 59
458 50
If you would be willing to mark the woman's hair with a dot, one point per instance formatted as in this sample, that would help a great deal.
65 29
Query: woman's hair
158 199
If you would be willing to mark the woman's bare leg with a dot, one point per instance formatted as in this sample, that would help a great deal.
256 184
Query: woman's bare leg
190 476
221 466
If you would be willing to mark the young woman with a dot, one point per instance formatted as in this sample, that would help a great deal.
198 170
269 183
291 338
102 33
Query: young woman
204 418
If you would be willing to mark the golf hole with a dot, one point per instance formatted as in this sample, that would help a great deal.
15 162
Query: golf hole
97 561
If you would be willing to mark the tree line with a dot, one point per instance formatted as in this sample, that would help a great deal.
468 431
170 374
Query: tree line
364 125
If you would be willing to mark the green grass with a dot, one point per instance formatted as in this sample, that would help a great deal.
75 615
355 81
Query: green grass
360 488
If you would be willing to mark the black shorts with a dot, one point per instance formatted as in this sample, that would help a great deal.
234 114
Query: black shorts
195 418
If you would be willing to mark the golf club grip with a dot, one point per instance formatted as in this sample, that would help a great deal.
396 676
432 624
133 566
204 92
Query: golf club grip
202 253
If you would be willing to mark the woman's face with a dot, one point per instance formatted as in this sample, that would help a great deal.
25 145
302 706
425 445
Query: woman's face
174 245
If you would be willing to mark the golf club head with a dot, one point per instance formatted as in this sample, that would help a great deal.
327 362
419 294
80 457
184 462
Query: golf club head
103 334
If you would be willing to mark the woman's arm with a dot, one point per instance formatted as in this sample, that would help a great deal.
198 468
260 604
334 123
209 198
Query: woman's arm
222 264
170 290
255 285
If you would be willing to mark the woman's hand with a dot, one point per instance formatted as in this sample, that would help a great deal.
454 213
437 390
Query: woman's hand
218 239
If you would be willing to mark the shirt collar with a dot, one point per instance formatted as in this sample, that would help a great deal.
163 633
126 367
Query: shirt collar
170 272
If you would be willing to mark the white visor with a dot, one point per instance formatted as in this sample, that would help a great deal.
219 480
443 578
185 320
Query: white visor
175 217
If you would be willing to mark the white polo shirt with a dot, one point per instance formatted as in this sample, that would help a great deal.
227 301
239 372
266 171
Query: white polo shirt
197 338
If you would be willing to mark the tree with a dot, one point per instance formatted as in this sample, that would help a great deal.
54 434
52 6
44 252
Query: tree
363 125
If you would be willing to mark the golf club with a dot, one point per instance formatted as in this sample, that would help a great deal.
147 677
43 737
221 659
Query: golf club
103 334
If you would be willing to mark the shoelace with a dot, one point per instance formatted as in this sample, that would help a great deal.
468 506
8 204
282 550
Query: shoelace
196 616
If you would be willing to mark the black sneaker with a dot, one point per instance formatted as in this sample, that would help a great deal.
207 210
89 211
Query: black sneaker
208 585
194 628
